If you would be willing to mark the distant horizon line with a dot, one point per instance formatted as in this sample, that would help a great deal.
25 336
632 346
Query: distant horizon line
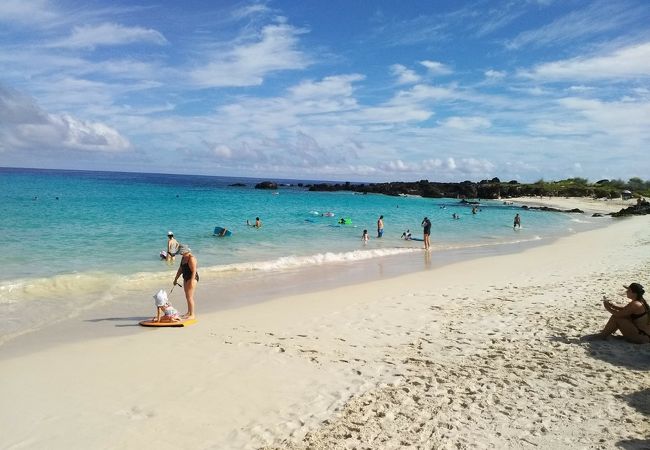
44 169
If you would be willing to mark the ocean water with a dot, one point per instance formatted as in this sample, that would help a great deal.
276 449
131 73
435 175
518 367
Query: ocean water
75 238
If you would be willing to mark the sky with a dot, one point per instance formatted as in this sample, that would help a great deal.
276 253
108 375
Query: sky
330 90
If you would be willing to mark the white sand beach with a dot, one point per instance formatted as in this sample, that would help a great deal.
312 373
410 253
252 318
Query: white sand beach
483 353
586 204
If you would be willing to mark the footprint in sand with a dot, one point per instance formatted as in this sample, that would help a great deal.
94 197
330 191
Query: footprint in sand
136 413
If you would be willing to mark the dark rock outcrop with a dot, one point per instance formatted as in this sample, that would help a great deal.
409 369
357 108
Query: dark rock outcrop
548 208
266 185
640 209
485 189
423 188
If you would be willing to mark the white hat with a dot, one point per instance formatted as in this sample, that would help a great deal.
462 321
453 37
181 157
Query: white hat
160 298
169 233
183 248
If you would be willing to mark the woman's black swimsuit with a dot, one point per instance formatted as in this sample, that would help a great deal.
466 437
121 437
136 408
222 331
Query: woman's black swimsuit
636 316
187 272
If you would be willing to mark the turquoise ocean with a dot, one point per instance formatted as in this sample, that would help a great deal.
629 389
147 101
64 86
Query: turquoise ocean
73 239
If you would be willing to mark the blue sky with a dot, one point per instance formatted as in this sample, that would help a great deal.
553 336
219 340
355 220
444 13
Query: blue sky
338 90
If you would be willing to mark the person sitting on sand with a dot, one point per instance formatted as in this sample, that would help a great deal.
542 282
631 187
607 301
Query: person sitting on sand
632 320
165 312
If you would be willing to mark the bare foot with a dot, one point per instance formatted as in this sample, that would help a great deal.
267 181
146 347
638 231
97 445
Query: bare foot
188 317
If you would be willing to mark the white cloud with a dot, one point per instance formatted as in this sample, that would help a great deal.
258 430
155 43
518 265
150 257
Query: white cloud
107 34
24 125
627 62
433 164
21 12
417 167
580 88
436 68
476 166
449 166
246 65
222 151
494 74
597 18
467 123
399 166
423 92
328 87
395 114
251 10
404 75
625 117
563 127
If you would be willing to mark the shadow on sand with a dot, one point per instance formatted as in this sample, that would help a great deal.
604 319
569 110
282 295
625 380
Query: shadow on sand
615 350
634 444
619 352
130 321
640 401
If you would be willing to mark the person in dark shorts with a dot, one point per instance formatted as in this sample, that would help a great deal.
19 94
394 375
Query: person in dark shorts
426 225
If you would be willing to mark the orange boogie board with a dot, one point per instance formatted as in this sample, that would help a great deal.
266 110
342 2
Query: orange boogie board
182 323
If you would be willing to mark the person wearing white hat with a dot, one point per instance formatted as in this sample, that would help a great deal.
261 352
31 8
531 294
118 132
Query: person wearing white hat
188 268
172 246
165 312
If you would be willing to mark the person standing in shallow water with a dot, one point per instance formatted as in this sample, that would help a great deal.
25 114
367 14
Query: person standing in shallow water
257 224
426 225
172 246
517 221
188 268
380 226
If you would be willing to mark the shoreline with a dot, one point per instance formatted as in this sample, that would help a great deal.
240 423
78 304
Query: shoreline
481 353
118 316
587 204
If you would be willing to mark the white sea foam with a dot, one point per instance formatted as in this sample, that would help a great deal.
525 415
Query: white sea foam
294 262
457 246
92 285
56 287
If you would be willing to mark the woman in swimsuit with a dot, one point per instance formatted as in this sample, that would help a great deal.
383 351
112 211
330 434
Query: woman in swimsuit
188 268
633 319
